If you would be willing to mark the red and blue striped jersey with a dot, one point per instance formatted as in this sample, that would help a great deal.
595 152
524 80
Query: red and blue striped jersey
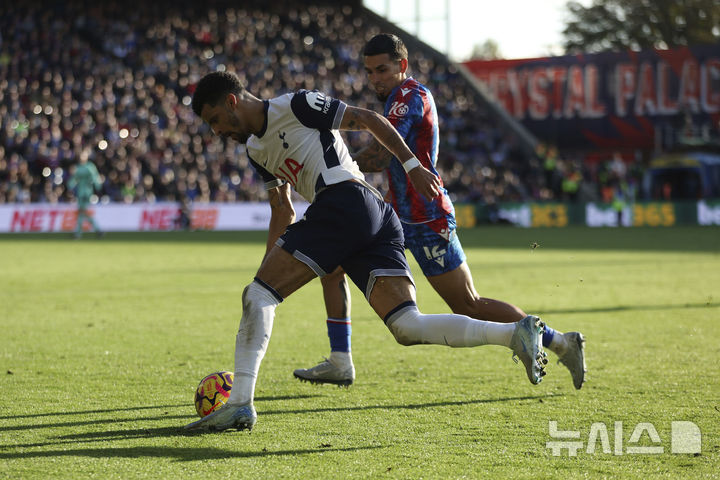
411 109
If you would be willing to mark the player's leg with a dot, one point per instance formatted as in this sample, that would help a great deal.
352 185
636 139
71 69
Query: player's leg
336 293
394 302
393 294
443 263
338 368
457 289
93 223
81 215
437 249
313 246
279 275
382 272
351 216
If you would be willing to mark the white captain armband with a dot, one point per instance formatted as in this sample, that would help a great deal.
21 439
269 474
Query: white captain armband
274 183
410 164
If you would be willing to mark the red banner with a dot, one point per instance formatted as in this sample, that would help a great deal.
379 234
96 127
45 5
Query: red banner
608 99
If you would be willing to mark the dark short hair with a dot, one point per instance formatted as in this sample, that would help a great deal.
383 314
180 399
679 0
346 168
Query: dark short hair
213 88
386 43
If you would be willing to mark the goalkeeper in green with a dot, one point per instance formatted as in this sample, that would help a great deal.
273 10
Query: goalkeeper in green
84 182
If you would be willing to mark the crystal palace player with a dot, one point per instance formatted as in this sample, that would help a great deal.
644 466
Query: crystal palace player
428 224
293 139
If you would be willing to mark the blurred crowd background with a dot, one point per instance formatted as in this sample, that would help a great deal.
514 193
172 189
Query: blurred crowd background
113 81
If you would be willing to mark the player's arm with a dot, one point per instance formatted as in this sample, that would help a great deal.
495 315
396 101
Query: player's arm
282 213
373 157
72 181
97 183
424 181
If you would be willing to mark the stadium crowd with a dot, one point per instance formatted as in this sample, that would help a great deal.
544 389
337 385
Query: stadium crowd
113 81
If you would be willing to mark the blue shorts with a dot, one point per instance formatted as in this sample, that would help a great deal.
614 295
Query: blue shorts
348 225
435 245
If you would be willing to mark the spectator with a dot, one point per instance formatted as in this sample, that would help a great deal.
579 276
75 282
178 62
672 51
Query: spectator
109 76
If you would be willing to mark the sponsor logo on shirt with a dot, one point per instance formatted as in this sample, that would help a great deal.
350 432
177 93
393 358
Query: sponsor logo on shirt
318 101
398 109
405 91
290 171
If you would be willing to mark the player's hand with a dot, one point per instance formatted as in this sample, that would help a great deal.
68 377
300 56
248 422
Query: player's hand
425 182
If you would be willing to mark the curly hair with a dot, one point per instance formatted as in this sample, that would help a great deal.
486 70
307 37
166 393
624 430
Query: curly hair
213 88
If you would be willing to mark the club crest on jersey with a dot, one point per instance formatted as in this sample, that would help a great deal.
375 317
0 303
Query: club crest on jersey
405 91
398 109
435 254
317 101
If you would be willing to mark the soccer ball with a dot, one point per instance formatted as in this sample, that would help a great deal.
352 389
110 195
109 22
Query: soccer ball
213 392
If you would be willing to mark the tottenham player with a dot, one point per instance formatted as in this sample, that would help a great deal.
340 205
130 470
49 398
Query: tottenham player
293 140
428 223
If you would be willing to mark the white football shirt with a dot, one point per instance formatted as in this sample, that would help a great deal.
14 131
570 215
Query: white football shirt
300 144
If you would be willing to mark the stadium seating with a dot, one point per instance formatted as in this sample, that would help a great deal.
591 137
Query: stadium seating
116 79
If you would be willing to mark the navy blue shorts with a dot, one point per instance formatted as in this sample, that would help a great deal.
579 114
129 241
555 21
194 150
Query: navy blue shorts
435 245
348 225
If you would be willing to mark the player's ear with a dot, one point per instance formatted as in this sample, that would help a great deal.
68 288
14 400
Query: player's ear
403 65
231 99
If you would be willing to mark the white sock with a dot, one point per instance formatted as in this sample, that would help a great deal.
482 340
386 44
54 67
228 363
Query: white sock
558 344
252 339
499 333
412 327
342 360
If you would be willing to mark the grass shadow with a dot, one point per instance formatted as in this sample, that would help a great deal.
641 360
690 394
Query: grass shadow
410 406
178 453
177 431
627 308
85 412
150 407
79 423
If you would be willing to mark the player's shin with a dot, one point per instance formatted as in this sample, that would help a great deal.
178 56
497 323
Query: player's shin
259 303
411 327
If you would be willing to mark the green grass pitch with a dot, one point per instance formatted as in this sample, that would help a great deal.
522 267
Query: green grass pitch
103 343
